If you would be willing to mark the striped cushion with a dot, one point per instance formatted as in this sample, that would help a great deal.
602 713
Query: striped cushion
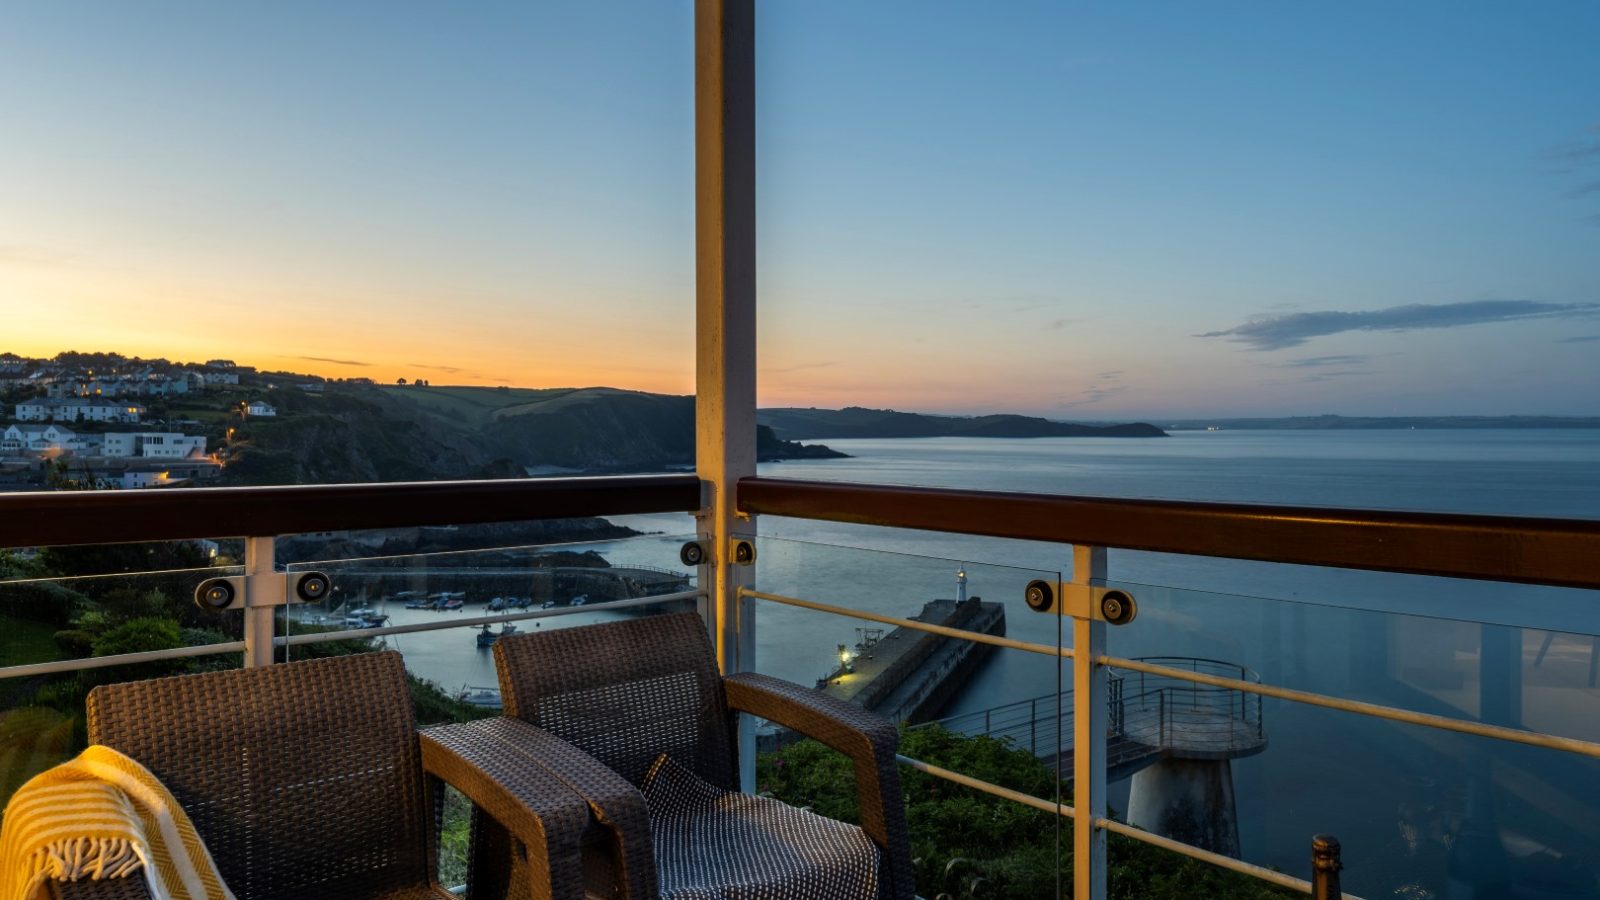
712 844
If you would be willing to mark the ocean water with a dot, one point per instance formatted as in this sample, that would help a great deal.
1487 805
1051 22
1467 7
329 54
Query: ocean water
1421 813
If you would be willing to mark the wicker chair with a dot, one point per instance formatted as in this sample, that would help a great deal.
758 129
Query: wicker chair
624 692
308 780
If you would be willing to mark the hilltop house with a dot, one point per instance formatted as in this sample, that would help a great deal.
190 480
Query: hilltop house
260 408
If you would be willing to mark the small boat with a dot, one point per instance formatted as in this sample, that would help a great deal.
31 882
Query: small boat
496 604
452 604
547 604
486 638
579 600
486 697
519 602
419 603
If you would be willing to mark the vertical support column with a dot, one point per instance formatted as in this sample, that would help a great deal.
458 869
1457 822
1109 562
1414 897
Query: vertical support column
258 619
725 317
1500 675
1089 733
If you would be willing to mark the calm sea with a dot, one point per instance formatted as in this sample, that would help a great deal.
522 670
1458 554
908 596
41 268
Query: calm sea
1405 801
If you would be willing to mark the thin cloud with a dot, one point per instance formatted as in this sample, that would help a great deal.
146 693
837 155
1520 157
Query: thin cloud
797 368
1314 362
1329 376
1105 386
448 370
1280 332
1580 339
1582 158
326 359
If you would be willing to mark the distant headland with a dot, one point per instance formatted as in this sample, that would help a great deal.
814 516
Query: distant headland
804 424
1331 422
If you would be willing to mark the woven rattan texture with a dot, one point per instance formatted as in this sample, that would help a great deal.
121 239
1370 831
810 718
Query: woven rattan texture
624 692
548 817
111 889
867 738
304 779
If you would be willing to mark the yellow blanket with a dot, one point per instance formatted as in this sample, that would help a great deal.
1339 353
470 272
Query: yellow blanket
102 815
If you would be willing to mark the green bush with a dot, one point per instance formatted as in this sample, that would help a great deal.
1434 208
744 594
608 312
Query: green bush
138 636
75 643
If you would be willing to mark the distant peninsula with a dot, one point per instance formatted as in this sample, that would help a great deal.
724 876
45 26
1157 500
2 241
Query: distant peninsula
1331 422
805 424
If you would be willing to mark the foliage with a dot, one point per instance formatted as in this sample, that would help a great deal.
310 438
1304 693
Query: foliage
201 637
968 844
431 705
138 636
41 601
100 559
22 641
74 643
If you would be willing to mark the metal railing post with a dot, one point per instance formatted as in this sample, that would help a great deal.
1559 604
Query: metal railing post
725 320
259 626
1089 733
1325 866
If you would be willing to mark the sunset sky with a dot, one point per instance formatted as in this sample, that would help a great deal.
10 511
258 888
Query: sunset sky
1150 210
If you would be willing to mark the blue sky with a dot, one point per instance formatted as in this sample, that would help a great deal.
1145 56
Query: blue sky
1151 210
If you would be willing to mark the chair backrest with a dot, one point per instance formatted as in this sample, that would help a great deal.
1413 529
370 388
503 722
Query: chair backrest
625 692
304 779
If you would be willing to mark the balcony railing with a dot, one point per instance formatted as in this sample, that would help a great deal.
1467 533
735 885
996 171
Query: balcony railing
1515 550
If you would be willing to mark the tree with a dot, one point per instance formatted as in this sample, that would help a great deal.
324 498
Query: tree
400 381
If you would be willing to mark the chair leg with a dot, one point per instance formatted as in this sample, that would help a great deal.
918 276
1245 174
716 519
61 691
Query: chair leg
491 869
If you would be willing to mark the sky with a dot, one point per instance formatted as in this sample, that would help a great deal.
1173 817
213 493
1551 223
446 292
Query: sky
1095 212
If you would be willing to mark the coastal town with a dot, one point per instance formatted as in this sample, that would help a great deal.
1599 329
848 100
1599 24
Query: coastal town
104 421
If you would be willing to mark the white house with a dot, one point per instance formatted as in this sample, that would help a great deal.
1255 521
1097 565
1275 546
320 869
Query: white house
153 445
260 408
34 411
31 439
215 378
81 410
132 480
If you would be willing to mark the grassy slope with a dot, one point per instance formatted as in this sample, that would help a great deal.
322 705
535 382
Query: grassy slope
22 641
472 407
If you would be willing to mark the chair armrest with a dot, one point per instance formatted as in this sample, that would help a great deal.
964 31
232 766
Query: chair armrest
615 803
535 807
867 738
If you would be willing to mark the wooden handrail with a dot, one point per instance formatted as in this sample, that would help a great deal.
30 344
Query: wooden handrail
1562 552
53 518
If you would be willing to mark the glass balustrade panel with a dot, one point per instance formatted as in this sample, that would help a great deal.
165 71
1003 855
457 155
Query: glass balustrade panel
997 714
1420 812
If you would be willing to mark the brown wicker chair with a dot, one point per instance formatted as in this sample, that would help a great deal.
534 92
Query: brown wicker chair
308 780
624 692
